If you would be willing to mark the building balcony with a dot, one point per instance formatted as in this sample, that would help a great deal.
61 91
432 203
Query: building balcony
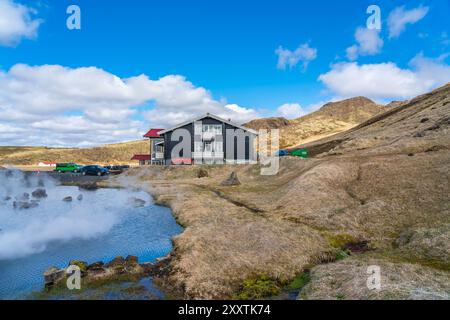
157 155
208 155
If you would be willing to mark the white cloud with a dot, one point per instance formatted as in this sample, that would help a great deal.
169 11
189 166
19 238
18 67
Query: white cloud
287 58
368 43
56 105
290 111
16 22
399 18
387 80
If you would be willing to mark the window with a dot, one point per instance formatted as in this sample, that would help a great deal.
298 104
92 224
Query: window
207 146
213 128
218 146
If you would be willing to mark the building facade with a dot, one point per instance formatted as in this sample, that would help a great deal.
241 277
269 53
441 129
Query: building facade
208 139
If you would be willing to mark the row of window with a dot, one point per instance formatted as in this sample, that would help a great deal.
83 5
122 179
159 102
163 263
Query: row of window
209 146
212 128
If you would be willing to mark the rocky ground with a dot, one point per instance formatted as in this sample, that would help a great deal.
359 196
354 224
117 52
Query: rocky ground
376 195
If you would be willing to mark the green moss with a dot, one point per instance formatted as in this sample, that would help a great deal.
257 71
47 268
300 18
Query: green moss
258 288
80 264
340 240
87 285
340 296
342 254
301 280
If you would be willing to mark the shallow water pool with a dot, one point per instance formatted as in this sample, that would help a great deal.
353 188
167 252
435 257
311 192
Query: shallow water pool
101 226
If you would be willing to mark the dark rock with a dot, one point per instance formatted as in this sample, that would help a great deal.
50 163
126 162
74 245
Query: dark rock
53 275
80 264
80 197
410 154
131 260
202 173
25 196
136 202
88 186
424 120
117 261
96 266
24 205
39 193
68 199
232 180
419 135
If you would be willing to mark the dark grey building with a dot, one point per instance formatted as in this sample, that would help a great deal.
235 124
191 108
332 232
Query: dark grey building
208 139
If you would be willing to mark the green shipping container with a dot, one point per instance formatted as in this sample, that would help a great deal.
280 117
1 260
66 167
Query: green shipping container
302 153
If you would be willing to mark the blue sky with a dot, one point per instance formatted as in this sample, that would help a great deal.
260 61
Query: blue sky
219 56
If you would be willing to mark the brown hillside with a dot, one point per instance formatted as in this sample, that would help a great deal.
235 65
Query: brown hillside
375 195
332 118
267 123
107 154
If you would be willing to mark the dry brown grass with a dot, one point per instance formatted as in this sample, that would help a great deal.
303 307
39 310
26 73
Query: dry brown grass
119 153
347 280
385 182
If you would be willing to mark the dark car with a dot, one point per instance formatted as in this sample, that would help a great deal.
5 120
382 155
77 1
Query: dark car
94 170
282 153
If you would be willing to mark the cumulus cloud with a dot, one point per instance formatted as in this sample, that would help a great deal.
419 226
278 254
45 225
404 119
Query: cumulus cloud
16 23
56 105
399 18
287 58
387 80
290 111
368 43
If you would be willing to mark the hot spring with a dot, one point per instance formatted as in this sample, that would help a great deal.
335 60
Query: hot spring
95 226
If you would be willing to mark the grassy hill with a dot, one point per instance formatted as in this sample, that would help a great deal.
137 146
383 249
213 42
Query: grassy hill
332 118
107 154
377 194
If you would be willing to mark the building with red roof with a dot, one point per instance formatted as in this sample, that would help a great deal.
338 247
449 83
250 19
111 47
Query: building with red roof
153 133
142 158
156 146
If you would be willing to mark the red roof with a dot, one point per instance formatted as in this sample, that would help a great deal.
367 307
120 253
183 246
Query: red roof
153 133
141 157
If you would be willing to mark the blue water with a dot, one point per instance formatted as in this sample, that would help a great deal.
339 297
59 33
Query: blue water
100 227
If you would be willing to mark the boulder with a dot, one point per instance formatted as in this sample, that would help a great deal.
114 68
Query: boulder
136 202
117 261
80 264
24 205
88 186
25 196
53 275
39 193
96 266
67 199
202 173
80 197
131 260
232 180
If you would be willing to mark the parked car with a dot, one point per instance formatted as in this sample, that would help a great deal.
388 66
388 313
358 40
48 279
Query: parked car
282 153
67 167
302 153
116 169
94 170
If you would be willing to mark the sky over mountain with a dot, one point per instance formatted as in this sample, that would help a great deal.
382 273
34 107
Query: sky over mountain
136 64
